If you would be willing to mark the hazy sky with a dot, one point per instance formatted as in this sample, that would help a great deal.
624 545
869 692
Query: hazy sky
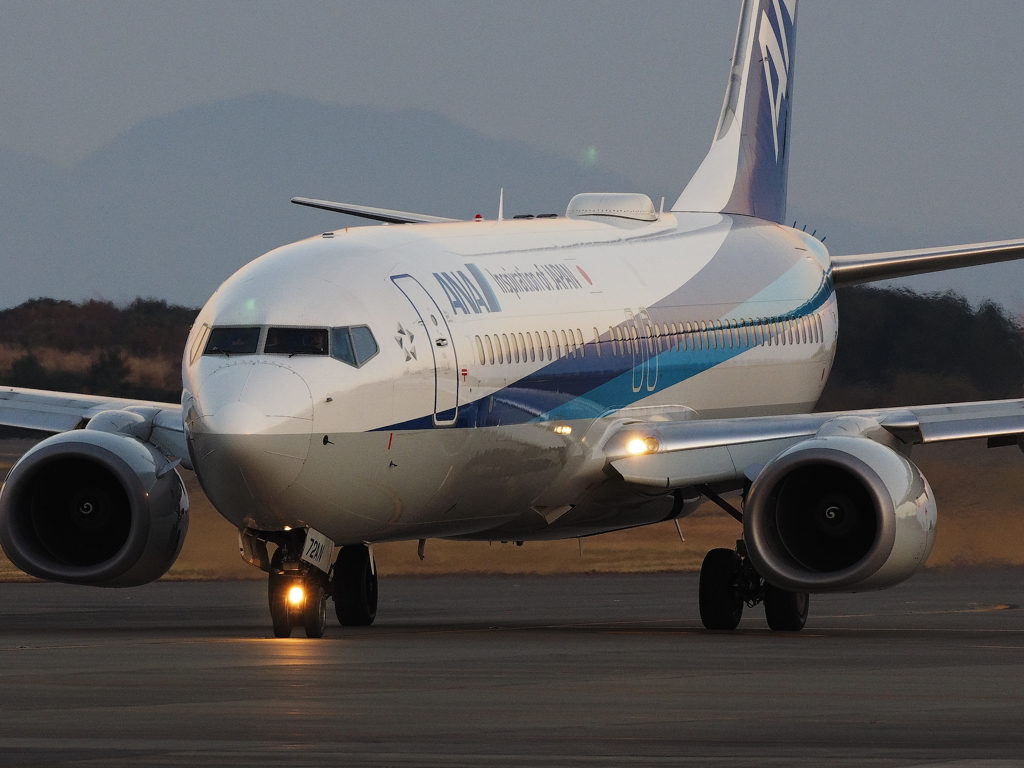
907 119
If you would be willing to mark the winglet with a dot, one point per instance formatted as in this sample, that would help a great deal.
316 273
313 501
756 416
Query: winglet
377 214
746 168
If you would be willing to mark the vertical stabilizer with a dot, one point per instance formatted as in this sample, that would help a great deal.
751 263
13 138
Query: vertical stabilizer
745 171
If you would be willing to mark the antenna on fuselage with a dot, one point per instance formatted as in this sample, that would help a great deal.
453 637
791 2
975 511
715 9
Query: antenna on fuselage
501 204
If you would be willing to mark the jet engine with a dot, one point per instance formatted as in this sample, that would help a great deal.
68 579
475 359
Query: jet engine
93 507
839 514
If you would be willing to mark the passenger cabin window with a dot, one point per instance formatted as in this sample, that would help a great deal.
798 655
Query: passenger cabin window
233 341
296 341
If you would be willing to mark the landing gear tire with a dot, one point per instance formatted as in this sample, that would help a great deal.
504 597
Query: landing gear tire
280 610
721 606
785 611
315 618
355 587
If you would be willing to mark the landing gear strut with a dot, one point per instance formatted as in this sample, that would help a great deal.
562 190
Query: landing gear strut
728 581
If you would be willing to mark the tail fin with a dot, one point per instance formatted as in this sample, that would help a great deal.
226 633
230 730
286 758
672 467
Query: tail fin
745 171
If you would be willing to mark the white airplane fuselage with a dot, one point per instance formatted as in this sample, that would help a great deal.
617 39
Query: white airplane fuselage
506 350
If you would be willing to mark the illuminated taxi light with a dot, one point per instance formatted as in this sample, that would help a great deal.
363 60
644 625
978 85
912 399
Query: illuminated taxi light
563 429
295 595
639 446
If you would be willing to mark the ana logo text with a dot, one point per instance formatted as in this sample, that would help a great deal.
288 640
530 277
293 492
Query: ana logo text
471 296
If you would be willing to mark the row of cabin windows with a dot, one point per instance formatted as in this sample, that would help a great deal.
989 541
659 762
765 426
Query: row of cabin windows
626 339
719 334
529 347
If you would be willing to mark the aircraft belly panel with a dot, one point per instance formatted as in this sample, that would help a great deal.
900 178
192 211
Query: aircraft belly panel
379 485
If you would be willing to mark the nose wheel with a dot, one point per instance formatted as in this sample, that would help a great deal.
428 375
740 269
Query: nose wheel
298 598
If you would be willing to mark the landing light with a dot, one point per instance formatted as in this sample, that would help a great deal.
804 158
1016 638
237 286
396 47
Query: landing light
639 446
563 429
295 595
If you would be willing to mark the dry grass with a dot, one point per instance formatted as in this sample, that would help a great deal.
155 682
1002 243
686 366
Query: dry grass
51 359
8 354
154 372
980 495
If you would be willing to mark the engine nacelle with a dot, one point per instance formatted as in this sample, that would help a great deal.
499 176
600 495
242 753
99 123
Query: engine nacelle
839 514
92 507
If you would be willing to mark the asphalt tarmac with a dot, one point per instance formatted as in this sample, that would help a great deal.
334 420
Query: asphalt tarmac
505 671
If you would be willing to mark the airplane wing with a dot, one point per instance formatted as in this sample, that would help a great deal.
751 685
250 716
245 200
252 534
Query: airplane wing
377 214
865 268
678 454
63 411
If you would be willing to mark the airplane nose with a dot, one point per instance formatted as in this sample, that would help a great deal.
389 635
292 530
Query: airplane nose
250 432
253 398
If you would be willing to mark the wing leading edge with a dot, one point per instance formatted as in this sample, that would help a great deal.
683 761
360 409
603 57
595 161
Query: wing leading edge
868 267
377 214
718 450
161 424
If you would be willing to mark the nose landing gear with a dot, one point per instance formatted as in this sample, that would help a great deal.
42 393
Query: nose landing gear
728 581
298 592
298 596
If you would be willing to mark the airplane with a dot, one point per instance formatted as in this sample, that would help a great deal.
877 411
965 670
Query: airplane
519 379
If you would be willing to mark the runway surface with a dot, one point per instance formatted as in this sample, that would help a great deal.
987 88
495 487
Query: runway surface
504 671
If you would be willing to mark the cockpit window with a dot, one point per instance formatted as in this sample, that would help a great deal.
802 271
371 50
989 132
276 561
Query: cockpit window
353 345
233 341
365 344
341 346
296 341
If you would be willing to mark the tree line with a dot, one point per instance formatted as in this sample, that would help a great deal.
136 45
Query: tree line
897 347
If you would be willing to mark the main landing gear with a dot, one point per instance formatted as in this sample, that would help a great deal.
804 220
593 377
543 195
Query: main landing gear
728 581
298 591
355 587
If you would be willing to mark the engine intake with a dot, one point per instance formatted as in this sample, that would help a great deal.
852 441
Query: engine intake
839 513
91 507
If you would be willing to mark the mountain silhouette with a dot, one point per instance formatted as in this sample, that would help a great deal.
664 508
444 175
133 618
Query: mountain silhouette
173 206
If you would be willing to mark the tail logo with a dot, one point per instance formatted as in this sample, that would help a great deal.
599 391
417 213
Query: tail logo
775 56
